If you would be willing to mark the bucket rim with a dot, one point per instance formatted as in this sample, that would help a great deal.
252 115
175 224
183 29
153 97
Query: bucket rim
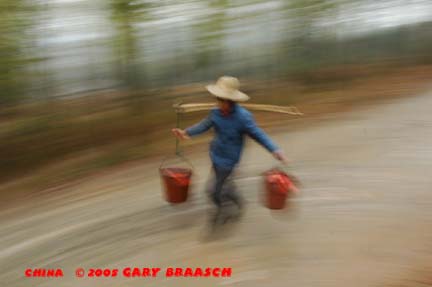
184 159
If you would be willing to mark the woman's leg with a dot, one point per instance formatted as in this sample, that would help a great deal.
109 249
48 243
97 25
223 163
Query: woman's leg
229 192
225 189
217 194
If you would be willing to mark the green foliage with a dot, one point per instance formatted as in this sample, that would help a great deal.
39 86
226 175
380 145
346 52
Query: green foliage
15 21
125 14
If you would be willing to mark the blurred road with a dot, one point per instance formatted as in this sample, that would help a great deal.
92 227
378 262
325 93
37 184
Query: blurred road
363 217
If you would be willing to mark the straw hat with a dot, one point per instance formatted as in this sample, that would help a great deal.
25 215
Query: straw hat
227 88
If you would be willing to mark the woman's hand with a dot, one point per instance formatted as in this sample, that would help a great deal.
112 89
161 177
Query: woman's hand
279 155
180 134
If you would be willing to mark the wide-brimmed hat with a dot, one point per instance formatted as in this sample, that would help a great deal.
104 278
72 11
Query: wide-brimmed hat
228 88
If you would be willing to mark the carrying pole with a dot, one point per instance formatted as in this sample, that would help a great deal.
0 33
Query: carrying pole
196 107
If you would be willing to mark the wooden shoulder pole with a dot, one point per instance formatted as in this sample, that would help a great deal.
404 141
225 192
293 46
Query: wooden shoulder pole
196 107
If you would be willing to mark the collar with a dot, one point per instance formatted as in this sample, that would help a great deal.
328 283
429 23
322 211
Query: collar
233 110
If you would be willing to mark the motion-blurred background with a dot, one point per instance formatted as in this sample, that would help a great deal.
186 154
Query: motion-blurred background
89 84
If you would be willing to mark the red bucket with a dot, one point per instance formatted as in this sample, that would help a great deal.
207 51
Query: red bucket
278 185
176 181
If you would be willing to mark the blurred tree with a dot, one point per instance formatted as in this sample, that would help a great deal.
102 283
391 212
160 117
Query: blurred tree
209 38
15 21
125 14
304 53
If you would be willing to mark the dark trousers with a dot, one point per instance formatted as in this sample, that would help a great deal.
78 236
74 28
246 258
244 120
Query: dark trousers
222 188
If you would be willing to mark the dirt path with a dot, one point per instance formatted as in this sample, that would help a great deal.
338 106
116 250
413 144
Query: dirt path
363 217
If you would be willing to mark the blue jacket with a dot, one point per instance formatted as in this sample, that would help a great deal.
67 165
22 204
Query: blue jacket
227 145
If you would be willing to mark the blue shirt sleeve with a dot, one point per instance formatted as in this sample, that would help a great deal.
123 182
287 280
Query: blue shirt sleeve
258 134
200 128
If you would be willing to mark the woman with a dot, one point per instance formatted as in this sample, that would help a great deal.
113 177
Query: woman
230 122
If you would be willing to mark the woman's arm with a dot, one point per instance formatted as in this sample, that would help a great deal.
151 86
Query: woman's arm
200 128
194 130
262 138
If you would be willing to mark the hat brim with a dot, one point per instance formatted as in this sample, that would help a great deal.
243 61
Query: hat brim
235 95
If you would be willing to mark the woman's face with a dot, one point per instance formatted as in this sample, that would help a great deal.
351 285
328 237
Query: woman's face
224 105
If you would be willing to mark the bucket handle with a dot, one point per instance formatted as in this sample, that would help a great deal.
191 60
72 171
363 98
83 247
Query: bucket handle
178 152
179 156
281 167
